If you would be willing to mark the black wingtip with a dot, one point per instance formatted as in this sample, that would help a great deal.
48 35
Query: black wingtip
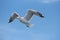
10 21
42 16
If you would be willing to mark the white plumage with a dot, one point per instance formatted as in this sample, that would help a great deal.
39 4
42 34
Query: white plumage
26 18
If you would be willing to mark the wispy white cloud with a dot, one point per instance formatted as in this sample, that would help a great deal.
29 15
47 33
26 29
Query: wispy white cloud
9 32
42 36
49 1
42 1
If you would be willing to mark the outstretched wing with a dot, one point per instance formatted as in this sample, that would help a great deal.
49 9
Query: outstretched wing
29 15
12 17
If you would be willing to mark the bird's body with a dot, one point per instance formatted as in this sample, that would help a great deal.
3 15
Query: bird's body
25 19
21 19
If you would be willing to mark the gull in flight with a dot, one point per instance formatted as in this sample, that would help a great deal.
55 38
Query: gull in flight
25 19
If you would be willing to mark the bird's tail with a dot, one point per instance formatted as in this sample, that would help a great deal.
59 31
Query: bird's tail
30 25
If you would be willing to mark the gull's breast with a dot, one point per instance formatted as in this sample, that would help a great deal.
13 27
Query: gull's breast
23 20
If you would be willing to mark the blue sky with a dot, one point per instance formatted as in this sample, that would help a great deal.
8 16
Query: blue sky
43 29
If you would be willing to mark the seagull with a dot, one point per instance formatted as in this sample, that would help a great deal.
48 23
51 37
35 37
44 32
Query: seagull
25 19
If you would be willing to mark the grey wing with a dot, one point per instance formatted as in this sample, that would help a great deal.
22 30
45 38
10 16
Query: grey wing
12 17
29 15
